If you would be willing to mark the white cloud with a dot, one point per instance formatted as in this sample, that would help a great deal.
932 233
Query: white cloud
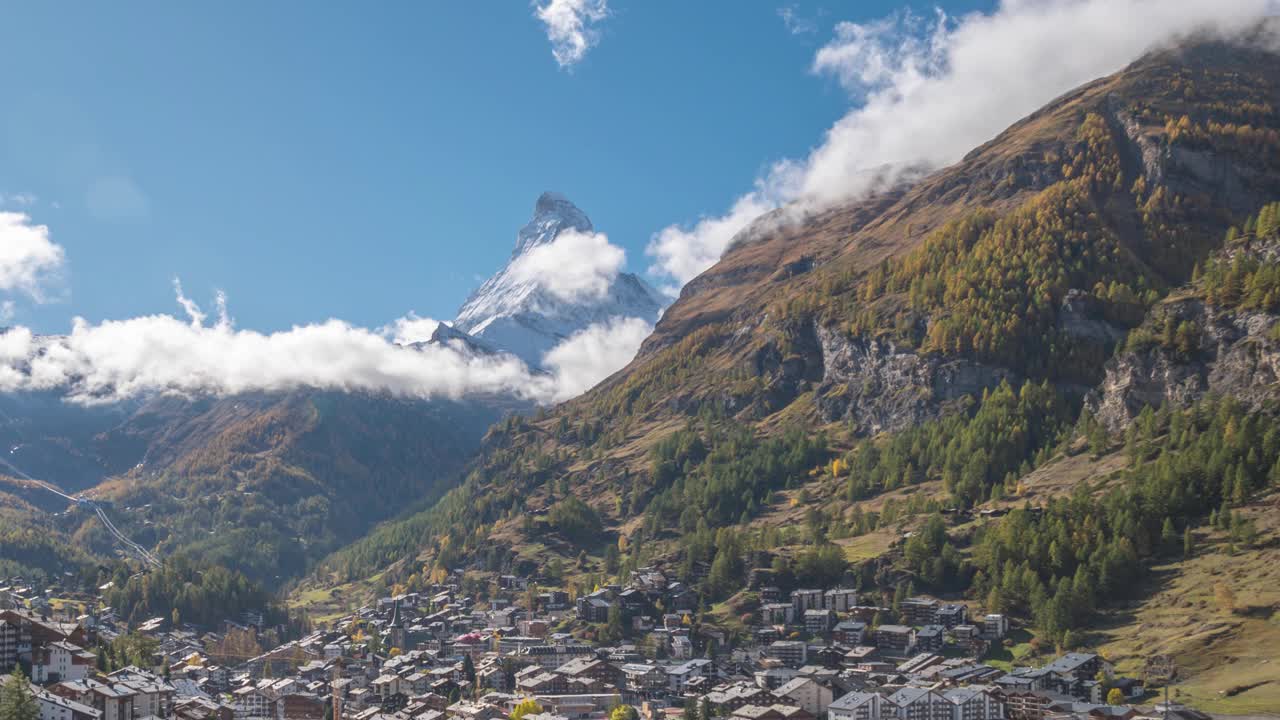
795 24
410 329
571 27
29 260
930 90
20 199
902 49
593 354
165 354
191 355
575 266
681 252
938 89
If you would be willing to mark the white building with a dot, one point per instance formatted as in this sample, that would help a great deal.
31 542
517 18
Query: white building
803 600
251 702
856 705
115 702
681 647
678 676
805 692
973 703
995 626
912 703
778 613
841 599
54 707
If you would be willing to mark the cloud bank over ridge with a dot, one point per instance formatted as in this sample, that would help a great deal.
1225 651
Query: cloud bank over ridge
926 90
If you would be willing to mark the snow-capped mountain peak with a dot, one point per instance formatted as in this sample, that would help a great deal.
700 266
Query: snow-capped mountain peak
552 214
516 313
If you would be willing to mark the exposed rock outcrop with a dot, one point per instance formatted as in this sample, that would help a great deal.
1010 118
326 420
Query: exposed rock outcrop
877 387
1235 353
1184 170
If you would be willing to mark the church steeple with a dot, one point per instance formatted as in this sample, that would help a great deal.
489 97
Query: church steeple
395 629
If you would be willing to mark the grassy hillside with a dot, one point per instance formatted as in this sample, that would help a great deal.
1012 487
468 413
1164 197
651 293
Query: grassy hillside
1217 613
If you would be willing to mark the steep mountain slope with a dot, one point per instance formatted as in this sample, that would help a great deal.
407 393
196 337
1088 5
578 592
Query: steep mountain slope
1216 336
40 435
854 369
261 483
516 313
268 483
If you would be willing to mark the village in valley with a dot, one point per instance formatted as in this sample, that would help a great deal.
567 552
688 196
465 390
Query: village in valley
639 650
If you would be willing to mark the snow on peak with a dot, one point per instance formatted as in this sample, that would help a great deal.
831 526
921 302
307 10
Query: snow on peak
552 214
524 315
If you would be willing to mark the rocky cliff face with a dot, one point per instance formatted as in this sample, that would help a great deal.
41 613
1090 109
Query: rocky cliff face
877 387
1194 343
1235 354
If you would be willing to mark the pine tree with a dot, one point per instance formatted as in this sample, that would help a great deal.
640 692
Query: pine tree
469 669
16 700
1240 487
614 628
691 711
1188 542
1168 535
993 601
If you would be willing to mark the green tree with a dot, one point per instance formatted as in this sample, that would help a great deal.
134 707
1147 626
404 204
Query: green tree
615 629
16 700
1115 697
575 520
1096 433
1168 535
691 711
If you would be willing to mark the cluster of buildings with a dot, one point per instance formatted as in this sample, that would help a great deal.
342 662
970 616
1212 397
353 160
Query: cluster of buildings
812 654
65 675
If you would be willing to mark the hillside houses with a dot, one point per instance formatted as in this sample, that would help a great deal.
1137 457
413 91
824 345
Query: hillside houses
812 654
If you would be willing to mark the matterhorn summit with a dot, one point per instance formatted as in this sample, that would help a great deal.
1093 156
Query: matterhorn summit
552 214
518 314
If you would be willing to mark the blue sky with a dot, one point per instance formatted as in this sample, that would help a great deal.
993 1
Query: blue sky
359 160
